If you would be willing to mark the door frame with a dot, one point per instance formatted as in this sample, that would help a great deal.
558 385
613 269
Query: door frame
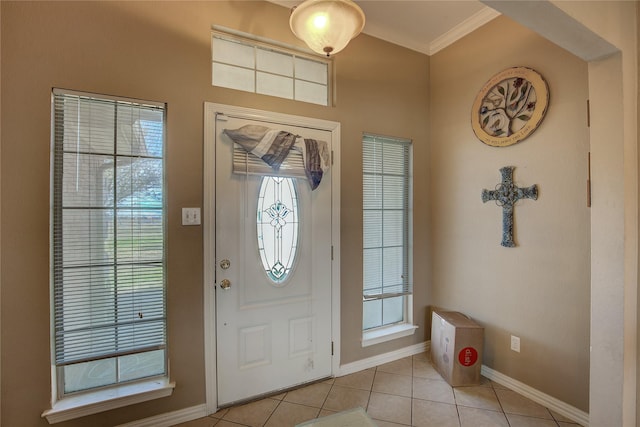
209 229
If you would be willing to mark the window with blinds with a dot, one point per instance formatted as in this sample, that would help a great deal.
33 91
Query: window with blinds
108 240
252 66
387 286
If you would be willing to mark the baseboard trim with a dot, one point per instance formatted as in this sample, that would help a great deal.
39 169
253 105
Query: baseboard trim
537 396
183 415
529 392
170 418
176 417
391 356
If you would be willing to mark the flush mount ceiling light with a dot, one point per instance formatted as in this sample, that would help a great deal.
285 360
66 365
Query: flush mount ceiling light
327 26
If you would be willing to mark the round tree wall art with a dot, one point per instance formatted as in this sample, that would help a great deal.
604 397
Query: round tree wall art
510 106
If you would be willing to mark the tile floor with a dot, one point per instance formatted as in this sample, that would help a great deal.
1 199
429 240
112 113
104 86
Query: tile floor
407 392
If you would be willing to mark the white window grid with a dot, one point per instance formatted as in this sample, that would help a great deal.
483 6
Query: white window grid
238 63
69 361
387 289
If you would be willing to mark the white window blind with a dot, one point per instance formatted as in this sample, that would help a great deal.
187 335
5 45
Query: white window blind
108 240
386 198
245 163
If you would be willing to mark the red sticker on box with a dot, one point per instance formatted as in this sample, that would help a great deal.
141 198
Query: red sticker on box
468 356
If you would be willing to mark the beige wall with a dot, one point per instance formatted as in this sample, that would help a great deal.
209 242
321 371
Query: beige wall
614 354
161 51
614 218
539 290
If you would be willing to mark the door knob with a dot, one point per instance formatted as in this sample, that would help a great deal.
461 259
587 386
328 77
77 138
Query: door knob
225 284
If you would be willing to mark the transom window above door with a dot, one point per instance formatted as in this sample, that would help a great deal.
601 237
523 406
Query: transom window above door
244 64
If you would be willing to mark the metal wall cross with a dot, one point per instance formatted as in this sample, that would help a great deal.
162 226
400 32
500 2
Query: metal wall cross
506 195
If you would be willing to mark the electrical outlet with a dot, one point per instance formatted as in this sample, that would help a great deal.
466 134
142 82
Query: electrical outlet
515 343
190 216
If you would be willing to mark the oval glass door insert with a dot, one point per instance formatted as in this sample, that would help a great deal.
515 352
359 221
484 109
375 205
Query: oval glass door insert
277 227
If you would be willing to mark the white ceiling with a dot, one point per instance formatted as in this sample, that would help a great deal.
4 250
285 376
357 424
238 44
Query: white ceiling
422 25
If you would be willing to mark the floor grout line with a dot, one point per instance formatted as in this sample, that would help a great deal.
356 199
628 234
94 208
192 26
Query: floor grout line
377 375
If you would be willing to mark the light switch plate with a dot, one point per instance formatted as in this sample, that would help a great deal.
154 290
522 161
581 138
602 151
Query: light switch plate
190 216
515 343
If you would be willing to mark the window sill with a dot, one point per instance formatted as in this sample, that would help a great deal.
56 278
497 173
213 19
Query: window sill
387 333
91 403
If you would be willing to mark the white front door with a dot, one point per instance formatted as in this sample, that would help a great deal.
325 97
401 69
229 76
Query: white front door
273 271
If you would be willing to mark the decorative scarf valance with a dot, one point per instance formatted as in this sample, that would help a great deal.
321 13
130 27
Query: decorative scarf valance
261 151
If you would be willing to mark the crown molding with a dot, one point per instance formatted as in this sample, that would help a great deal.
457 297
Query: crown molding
467 26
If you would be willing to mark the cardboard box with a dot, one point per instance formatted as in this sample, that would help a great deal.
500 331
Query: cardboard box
456 347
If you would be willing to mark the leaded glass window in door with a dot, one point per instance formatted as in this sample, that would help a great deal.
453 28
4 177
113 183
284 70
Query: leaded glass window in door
278 227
